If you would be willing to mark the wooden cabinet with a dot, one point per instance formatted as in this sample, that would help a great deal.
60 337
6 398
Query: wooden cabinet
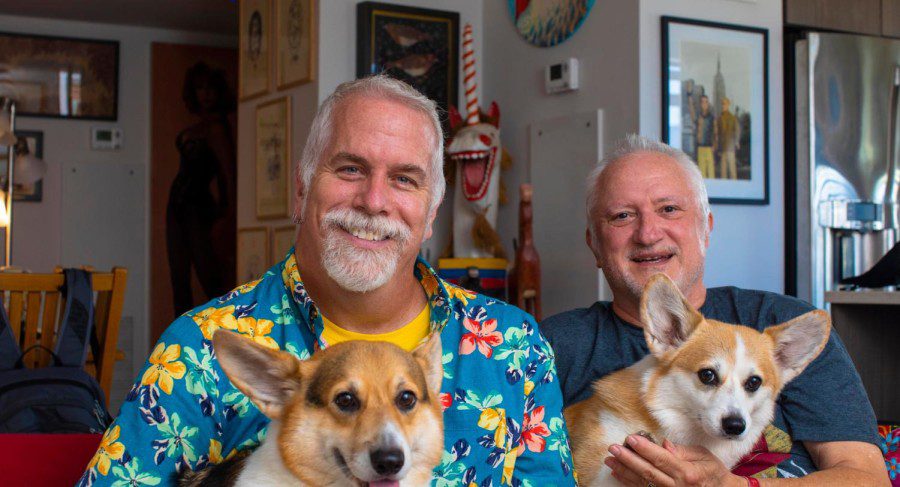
868 324
890 19
860 16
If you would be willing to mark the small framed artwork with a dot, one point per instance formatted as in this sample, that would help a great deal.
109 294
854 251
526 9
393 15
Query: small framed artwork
60 77
255 44
295 42
416 45
282 240
715 105
273 148
33 142
252 253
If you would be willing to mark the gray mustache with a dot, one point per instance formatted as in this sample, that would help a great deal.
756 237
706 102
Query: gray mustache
347 218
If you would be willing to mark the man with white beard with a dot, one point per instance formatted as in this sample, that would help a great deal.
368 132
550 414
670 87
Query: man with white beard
367 190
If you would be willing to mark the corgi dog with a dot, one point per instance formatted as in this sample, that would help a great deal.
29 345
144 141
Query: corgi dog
704 383
355 414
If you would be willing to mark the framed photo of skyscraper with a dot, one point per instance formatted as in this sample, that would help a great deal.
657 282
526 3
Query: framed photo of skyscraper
715 104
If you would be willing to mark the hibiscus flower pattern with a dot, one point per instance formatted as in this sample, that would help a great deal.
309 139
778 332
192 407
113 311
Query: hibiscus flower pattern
501 401
164 367
482 334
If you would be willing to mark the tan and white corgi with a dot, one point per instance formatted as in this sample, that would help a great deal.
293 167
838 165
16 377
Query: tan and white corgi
704 383
355 414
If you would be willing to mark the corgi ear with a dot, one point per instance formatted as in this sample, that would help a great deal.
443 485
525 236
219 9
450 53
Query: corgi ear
268 377
799 341
428 356
668 319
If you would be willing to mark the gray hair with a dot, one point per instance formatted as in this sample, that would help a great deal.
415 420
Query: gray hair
633 144
377 86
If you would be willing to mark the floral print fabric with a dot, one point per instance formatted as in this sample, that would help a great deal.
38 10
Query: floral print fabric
501 398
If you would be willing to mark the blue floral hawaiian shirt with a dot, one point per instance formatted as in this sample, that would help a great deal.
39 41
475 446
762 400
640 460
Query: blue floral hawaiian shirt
502 402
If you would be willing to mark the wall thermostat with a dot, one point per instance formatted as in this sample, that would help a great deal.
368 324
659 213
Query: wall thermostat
106 138
561 76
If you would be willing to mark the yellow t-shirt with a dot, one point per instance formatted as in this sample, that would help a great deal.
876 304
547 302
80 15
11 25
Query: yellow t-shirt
406 337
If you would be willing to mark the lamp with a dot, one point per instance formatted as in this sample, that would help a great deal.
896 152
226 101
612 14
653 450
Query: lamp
28 169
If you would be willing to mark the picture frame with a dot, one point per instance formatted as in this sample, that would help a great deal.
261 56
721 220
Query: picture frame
255 28
273 149
60 77
252 253
283 238
35 141
296 42
715 100
417 45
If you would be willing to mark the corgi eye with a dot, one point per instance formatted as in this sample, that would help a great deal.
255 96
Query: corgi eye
708 377
752 383
346 402
406 400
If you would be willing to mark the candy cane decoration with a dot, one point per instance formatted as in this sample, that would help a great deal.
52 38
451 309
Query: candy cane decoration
471 86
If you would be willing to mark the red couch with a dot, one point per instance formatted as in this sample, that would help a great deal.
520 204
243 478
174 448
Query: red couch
39 460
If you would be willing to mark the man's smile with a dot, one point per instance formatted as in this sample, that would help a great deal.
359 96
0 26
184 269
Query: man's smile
652 258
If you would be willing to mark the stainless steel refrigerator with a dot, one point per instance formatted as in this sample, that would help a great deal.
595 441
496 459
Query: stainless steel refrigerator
845 211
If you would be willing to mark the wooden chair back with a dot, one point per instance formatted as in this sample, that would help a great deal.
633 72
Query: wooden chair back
35 306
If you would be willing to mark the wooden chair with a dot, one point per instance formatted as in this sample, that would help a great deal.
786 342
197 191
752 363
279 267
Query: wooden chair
35 302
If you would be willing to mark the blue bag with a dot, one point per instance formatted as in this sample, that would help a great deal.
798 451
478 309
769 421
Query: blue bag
63 397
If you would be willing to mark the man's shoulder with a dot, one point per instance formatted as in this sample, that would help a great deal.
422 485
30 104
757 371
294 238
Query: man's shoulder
576 319
245 300
762 308
471 302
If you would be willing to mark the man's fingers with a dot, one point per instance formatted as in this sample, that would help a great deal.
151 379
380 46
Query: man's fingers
688 452
660 457
646 471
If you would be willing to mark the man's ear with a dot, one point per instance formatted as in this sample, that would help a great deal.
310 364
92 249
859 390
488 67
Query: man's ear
268 377
669 320
590 243
298 196
428 356
709 227
429 227
799 341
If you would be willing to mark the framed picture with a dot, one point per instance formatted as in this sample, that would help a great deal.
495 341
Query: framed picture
416 45
283 239
60 77
715 104
252 253
33 140
273 148
255 44
295 42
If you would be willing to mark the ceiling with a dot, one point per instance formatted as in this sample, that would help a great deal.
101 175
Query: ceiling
216 16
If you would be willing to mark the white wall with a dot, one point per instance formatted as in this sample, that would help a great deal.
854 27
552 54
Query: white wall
38 241
747 243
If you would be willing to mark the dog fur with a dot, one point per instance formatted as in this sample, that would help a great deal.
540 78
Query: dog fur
665 395
345 417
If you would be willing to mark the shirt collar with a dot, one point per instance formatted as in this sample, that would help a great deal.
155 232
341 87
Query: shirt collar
438 292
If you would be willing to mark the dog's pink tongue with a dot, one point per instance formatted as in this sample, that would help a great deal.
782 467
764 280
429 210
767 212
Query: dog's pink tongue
384 483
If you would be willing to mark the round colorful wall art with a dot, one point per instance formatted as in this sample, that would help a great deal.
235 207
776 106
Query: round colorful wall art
546 23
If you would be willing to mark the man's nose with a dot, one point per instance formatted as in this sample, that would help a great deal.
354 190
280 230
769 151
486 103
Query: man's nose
373 196
649 230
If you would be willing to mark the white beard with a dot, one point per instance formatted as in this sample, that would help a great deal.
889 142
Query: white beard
357 269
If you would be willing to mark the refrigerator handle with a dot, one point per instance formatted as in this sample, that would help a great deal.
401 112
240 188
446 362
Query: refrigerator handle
890 189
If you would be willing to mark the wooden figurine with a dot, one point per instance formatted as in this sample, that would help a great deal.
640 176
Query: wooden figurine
527 263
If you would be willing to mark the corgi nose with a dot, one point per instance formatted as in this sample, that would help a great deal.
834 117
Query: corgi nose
733 425
386 462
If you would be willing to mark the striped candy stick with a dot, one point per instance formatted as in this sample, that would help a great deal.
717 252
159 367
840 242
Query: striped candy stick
471 86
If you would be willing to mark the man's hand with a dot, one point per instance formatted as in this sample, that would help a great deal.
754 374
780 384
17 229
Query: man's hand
668 465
